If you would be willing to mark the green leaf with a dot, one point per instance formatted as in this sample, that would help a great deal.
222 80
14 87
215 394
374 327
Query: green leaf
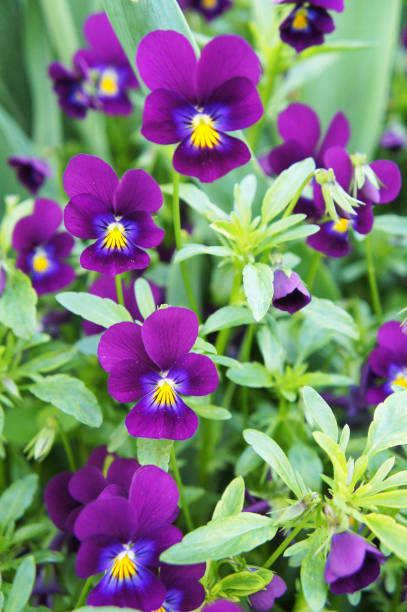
250 374
198 201
221 538
88 345
330 316
144 297
319 414
232 499
335 454
17 305
306 461
46 362
28 532
312 573
70 396
102 311
389 426
17 498
391 534
22 586
244 193
258 287
242 584
228 316
393 225
272 454
271 349
210 411
154 452
298 233
389 499
190 250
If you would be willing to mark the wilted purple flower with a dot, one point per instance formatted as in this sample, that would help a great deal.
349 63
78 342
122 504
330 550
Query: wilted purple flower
307 23
31 172
116 214
184 591
208 8
152 363
264 600
124 538
394 138
196 102
41 249
352 563
388 362
290 293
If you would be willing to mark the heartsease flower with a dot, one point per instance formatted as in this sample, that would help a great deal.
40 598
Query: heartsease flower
117 214
31 172
208 8
41 250
388 362
352 563
290 293
264 600
308 22
184 591
152 363
197 102
394 138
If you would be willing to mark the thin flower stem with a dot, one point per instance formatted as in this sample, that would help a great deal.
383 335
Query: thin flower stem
178 241
223 336
372 279
119 289
85 590
244 355
286 542
312 272
183 499
67 447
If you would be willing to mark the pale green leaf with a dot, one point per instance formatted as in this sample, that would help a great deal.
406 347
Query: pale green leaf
22 586
330 316
191 250
258 287
250 374
389 426
102 311
154 452
228 316
391 534
17 498
144 297
319 414
232 499
17 305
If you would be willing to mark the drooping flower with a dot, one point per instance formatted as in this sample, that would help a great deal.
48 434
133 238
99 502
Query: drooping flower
31 172
69 87
394 138
352 563
197 102
208 8
124 538
41 250
290 293
105 287
388 362
184 591
308 22
116 214
264 600
152 363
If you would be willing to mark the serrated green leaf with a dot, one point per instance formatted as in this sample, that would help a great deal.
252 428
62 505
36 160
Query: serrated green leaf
17 305
232 499
319 414
102 311
154 452
258 287
17 498
22 586
389 426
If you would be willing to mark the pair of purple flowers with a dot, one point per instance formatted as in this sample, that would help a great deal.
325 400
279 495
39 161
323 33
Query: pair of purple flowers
102 75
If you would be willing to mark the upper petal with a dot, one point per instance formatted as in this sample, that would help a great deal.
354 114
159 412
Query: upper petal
300 123
103 40
86 484
389 176
90 174
80 213
238 104
137 191
338 159
37 228
58 501
154 497
337 134
121 342
390 336
197 375
112 516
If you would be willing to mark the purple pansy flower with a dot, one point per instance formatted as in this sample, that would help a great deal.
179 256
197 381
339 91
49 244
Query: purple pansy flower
69 87
307 23
41 249
105 287
115 213
208 8
394 138
290 293
152 363
196 102
31 172
388 362
124 538
352 563
184 591
264 600
255 504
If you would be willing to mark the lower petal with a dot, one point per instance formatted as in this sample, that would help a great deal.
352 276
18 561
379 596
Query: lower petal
111 264
64 275
329 242
147 420
389 176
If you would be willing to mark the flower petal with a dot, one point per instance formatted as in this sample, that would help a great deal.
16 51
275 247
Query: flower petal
100 517
86 484
58 501
337 134
329 241
160 109
137 191
147 420
125 383
154 496
238 104
114 263
103 40
194 375
91 175
338 159
298 122
120 342
347 554
389 176
121 472
36 229
62 244
80 213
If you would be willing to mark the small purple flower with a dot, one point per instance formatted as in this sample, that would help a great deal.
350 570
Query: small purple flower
307 23
256 504
394 138
264 600
208 8
196 102
354 402
31 172
41 249
123 538
290 293
152 363
184 591
116 214
69 87
388 362
352 563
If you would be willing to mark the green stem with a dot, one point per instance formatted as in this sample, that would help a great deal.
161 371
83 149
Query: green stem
312 272
119 289
84 592
183 499
68 450
372 279
223 336
176 215
286 542
395 603
244 355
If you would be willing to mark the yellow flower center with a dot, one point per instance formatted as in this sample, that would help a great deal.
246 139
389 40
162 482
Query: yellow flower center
300 21
162 609
108 85
209 4
164 393
115 237
204 134
40 262
400 381
341 226
123 566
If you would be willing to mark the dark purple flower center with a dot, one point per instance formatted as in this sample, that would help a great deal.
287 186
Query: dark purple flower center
115 233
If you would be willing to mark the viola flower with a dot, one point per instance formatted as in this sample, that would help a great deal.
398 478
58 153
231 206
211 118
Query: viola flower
308 22
208 8
116 214
196 102
152 363
388 362
69 87
264 600
41 250
184 591
394 138
31 172
124 538
352 563
290 294
255 504
105 287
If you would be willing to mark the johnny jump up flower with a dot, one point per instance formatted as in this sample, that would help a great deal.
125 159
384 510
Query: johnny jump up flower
115 214
388 362
152 363
196 102
290 293
264 600
208 8
394 138
307 23
184 591
41 250
352 563
31 172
